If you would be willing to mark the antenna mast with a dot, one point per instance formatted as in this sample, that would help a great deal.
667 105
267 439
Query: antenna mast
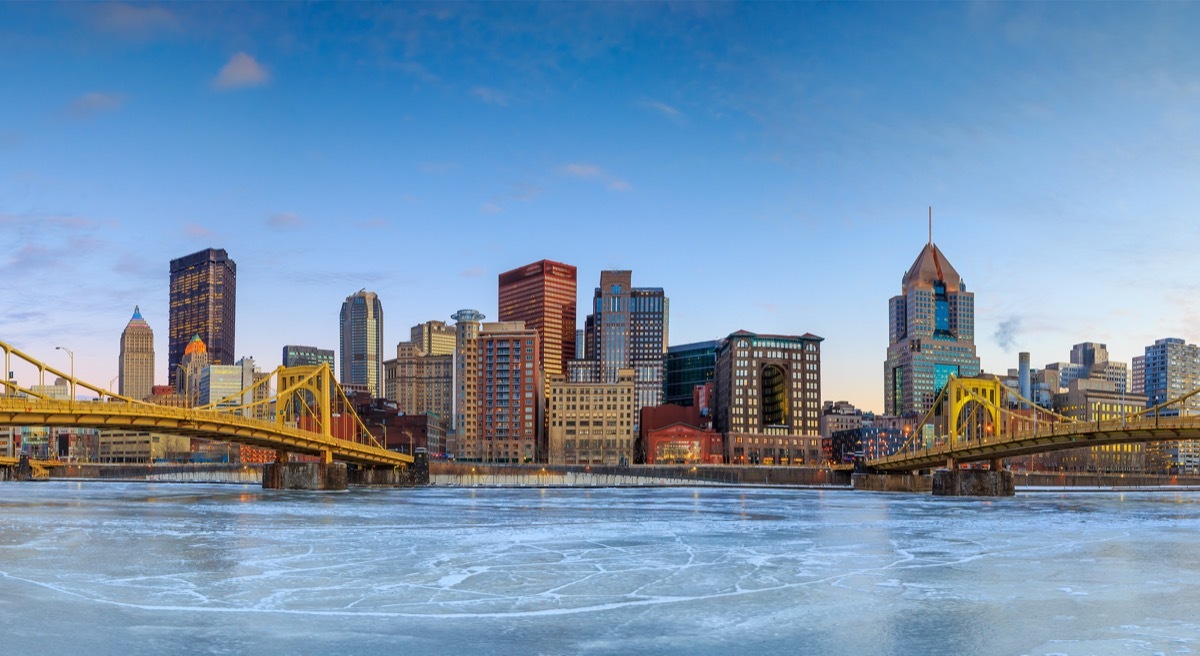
931 225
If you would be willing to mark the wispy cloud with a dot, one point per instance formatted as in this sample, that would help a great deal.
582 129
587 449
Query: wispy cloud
472 272
136 21
593 172
195 231
284 221
523 192
491 207
438 167
241 71
663 109
91 104
373 224
490 96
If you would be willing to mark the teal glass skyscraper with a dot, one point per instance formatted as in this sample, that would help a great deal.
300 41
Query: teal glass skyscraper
931 334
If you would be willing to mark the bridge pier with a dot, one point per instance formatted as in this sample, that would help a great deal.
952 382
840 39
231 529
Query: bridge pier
891 482
283 475
973 483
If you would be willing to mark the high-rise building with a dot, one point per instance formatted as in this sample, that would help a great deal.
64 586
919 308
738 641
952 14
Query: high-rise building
628 329
542 295
931 334
362 343
231 385
420 383
685 367
187 373
306 356
203 302
768 398
466 379
434 338
591 423
1171 368
1137 383
511 398
137 358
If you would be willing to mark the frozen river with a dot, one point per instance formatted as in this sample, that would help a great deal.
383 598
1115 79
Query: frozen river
104 568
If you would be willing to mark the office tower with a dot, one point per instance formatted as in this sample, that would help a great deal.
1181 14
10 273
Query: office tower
1137 384
231 385
361 332
187 373
591 423
931 334
136 370
306 356
542 295
433 338
420 383
685 367
1171 368
466 377
203 302
768 398
628 329
1088 360
511 398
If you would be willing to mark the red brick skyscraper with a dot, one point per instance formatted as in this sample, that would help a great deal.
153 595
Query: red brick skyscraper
542 295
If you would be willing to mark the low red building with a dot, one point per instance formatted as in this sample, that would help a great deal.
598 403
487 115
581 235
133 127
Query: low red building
682 444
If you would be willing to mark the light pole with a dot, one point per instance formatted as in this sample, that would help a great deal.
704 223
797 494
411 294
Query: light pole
71 354
384 427
113 382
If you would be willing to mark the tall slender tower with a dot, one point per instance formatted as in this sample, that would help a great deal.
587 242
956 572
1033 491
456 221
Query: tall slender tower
466 375
137 358
542 295
628 328
203 300
362 342
931 334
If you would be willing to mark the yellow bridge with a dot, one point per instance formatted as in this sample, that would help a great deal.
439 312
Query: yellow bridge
299 417
971 421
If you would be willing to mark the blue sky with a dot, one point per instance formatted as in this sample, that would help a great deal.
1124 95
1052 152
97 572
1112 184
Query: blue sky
768 164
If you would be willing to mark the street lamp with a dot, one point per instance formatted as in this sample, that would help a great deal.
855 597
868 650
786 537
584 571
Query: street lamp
71 354
384 427
113 382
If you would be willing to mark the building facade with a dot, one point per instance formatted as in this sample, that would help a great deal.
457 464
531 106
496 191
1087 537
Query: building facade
591 423
419 382
1170 369
511 396
203 302
136 369
464 428
188 371
768 398
685 367
542 295
931 334
361 331
433 338
306 356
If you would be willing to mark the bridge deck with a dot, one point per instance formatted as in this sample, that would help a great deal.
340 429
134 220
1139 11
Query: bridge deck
15 411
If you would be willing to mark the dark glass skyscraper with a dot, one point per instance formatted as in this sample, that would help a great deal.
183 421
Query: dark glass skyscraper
686 366
361 322
203 302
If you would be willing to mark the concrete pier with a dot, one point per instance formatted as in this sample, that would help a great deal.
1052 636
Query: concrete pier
304 476
973 483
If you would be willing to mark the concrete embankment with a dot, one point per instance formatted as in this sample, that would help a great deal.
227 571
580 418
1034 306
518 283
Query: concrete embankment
532 475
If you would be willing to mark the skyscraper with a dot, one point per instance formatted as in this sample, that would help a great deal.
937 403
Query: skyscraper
137 358
433 338
542 295
203 302
362 342
627 329
295 355
511 397
466 377
931 334
1170 369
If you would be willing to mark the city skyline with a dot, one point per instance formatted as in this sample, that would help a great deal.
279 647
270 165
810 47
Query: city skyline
768 165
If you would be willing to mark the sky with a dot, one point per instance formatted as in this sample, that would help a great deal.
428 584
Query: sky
770 165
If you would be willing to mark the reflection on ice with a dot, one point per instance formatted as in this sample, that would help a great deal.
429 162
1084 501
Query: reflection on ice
569 571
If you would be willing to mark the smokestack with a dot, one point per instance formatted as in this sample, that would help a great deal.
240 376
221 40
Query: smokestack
1023 380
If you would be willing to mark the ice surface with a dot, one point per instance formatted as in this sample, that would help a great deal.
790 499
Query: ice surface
108 568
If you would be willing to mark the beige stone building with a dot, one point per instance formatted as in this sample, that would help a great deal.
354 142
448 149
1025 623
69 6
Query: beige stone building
591 423
141 446
434 338
136 367
420 383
